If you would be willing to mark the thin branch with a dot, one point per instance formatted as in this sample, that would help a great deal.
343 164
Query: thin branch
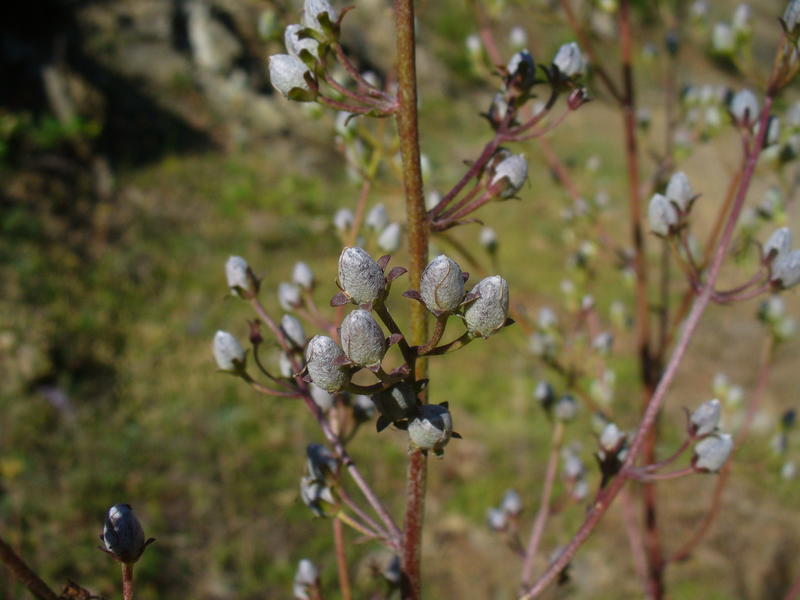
24 573
341 560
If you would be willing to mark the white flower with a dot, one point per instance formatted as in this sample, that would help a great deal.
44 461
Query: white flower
295 44
744 107
287 73
313 10
514 170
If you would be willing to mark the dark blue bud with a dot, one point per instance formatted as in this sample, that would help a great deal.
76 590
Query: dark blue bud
123 535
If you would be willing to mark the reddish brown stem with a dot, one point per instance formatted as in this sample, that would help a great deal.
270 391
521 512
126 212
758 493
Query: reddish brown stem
635 541
127 581
341 560
24 573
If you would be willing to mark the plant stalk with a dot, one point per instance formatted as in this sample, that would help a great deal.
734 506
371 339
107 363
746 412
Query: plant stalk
24 573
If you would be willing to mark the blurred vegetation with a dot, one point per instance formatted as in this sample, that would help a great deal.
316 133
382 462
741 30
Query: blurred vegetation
109 302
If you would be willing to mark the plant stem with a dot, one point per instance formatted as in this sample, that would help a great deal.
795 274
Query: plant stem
341 560
544 505
127 581
24 573
408 132
634 533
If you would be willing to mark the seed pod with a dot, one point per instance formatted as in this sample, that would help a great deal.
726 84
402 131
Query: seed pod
360 277
362 339
313 11
321 398
744 108
324 358
786 270
511 503
432 429
303 276
240 281
572 464
390 238
545 394
489 312
711 453
496 519
566 408
295 44
521 71
228 352
315 495
289 296
442 285
496 113
705 418
123 535
778 245
611 439
320 462
397 403
569 60
288 75
514 170
791 16
679 190
662 215
343 219
377 218
293 330
306 573
285 365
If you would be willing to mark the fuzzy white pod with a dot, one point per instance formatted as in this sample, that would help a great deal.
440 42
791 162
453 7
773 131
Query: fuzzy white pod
343 219
303 276
661 215
569 59
321 398
442 285
611 438
523 67
289 296
123 535
295 44
314 9
511 503
236 272
786 269
496 519
489 312
705 418
360 277
744 107
306 573
565 409
432 429
711 453
514 170
227 351
293 330
679 190
287 73
391 237
377 218
517 37
323 358
779 244
362 339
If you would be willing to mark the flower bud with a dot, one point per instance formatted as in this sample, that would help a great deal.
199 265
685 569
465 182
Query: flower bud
362 339
566 409
612 438
569 60
313 10
343 220
711 453
289 296
432 429
741 20
679 190
390 238
303 276
320 462
377 218
791 16
723 42
705 418
521 71
293 330
228 352
285 367
489 312
321 398
662 215
488 239
442 285
306 573
397 403
572 465
496 519
778 245
514 170
240 280
497 110
517 37
288 75
123 535
547 318
363 407
360 277
316 495
511 503
744 108
432 199
545 394
324 358
786 270
295 44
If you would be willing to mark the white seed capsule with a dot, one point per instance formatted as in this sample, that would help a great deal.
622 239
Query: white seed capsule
123 535
679 190
432 429
705 418
390 238
744 107
293 330
362 339
343 219
321 398
320 462
236 272
662 215
496 519
287 74
285 367
711 453
611 439
489 312
227 351
569 60
778 245
295 45
323 358
442 285
522 69
289 296
306 573
786 269
313 10
514 169
511 503
303 276
377 218
360 276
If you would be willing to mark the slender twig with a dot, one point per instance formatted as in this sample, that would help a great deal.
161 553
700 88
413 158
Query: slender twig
24 573
635 541
544 505
438 332
341 560
641 474
674 456
127 581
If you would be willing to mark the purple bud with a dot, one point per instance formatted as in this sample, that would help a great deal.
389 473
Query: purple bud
705 418
362 339
442 285
323 358
432 429
489 312
123 535
711 453
360 277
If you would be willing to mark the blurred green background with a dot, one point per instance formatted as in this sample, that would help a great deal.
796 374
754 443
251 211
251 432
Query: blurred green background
132 165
